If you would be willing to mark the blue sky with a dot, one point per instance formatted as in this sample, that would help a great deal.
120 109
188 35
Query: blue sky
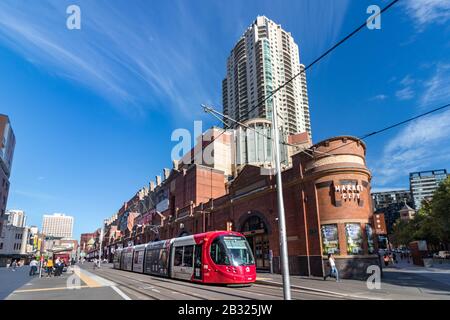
93 109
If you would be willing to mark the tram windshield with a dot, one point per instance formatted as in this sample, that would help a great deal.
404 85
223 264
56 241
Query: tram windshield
231 250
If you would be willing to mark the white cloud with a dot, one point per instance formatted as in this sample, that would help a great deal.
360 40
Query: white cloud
115 54
418 146
437 89
425 143
425 12
138 54
405 93
379 97
407 81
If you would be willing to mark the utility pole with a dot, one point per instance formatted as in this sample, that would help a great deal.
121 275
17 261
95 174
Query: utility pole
100 247
281 216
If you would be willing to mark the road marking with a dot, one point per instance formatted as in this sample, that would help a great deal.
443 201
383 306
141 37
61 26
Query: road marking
121 293
156 290
46 289
87 279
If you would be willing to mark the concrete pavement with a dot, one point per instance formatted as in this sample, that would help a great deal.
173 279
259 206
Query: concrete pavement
399 282
11 280
75 284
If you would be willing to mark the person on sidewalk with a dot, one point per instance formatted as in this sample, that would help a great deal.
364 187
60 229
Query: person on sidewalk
33 267
333 269
57 263
14 265
394 258
386 260
49 267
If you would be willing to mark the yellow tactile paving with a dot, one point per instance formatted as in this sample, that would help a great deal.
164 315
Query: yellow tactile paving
47 289
86 279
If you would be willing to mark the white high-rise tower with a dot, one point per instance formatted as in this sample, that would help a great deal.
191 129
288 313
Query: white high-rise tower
264 58
57 225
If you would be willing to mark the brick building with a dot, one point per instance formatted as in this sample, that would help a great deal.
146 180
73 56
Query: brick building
327 202
7 145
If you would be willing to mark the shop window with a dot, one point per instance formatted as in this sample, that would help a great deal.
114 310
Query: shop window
330 239
354 238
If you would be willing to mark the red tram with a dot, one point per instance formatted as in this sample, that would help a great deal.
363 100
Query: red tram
217 257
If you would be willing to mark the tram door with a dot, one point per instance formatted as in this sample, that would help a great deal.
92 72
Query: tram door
198 261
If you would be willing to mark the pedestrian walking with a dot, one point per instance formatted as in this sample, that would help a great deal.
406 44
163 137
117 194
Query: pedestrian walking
49 267
57 266
33 266
394 257
14 265
61 268
386 260
333 269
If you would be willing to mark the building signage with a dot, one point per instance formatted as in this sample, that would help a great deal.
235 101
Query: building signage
349 191
379 223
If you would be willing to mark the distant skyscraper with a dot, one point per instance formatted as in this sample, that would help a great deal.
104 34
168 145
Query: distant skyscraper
386 198
16 218
7 145
264 58
57 225
423 184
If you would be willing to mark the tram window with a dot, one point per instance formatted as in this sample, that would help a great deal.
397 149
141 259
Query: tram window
177 261
219 253
188 256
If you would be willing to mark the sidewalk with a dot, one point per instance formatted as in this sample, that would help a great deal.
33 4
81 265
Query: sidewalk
75 284
397 283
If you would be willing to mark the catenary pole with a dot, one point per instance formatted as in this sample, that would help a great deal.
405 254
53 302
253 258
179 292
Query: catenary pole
100 248
281 216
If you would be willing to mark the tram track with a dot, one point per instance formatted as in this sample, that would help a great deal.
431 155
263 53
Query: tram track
151 285
208 289
256 291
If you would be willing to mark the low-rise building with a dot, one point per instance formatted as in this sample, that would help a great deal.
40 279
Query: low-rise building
13 244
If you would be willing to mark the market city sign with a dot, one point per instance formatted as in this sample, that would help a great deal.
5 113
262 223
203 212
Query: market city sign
349 191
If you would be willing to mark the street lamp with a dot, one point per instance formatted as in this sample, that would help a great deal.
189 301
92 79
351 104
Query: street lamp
100 247
281 215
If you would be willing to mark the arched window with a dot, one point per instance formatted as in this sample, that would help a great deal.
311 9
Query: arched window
254 223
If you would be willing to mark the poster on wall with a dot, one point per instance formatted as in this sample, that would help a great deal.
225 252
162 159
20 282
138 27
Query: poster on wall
330 239
354 238
370 243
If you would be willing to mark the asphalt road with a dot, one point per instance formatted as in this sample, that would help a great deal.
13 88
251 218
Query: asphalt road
11 280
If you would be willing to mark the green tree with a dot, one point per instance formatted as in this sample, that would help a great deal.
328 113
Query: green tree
431 223
440 211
